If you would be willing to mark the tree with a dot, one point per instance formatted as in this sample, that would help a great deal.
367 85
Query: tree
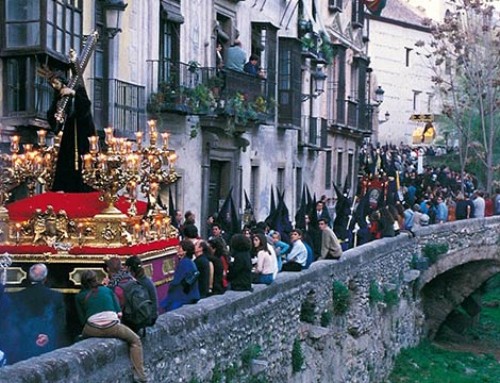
465 59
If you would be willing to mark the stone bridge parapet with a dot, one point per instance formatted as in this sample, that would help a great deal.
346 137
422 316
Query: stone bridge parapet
270 330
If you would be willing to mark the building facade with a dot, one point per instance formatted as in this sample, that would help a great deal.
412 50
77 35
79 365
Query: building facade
299 122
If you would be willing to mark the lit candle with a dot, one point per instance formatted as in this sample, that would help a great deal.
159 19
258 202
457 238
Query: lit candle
153 138
87 160
152 126
18 232
164 137
128 147
108 135
93 144
138 139
14 144
28 147
103 161
41 137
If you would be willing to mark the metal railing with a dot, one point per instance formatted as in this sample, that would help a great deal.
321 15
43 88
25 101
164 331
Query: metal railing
191 89
129 111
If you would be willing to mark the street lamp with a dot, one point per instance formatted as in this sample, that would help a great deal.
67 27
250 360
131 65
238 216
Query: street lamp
114 10
318 78
379 95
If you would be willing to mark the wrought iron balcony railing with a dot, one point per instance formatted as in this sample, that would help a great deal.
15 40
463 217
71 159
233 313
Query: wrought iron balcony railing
192 89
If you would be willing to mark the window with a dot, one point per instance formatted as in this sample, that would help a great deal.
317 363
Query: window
335 5
99 68
350 167
25 92
298 187
354 80
64 25
340 165
328 170
280 179
254 187
22 23
341 81
264 44
416 93
407 57
169 49
129 107
430 97
289 82
358 14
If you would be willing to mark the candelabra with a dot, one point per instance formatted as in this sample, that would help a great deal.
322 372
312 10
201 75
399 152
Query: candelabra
33 166
122 165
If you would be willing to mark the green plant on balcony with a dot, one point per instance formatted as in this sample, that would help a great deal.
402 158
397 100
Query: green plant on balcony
168 98
215 83
326 49
193 66
238 107
308 42
200 100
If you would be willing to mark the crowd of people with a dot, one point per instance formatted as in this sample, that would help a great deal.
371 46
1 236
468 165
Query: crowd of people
396 195
393 196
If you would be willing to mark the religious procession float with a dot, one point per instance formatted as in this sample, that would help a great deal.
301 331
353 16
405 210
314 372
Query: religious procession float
73 232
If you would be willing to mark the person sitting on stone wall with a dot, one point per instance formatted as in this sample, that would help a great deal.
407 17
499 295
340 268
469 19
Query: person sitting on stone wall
296 260
99 311
240 269
184 287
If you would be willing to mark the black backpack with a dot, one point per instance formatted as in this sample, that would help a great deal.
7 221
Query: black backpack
138 312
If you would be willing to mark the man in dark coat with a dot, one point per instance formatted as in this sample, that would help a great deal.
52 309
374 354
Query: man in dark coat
77 127
39 317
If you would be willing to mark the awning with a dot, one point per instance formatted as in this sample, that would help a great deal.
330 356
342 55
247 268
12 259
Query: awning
173 12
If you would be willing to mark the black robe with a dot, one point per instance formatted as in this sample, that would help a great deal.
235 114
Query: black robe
68 177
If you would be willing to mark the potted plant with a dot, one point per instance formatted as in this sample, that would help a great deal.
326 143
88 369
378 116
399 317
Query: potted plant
193 66
201 100
215 83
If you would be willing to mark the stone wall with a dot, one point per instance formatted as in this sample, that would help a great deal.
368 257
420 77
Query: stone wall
249 337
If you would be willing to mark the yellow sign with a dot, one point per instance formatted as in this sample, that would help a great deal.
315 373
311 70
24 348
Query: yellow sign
422 117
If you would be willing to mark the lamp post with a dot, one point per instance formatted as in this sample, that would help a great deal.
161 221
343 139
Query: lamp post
114 10
318 79
373 105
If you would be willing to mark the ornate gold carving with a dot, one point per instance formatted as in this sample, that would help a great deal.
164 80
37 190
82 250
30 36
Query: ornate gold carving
48 227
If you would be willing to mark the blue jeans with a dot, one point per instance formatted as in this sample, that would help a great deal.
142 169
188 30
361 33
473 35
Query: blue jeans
265 279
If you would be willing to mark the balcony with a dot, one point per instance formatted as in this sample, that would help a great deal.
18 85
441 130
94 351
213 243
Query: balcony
189 89
357 118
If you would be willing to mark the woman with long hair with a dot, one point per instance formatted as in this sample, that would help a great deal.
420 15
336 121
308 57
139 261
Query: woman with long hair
264 269
220 259
184 287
